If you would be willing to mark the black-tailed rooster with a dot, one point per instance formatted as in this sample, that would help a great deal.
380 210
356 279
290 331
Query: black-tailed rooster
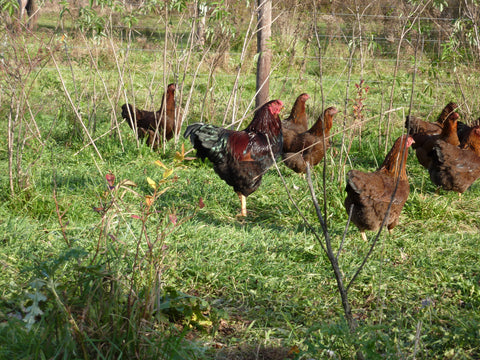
241 158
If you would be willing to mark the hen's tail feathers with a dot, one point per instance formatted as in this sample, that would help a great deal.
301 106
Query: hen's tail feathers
412 124
127 114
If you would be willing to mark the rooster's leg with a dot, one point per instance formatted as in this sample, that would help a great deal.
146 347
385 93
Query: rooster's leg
243 202
364 236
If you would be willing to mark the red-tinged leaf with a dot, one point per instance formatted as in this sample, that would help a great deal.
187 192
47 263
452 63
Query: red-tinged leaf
201 204
173 218
98 209
110 180
136 217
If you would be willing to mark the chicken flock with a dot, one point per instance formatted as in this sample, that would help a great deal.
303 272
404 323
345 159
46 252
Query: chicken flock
447 148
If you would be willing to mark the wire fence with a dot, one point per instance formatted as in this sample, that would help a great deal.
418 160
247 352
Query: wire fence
335 51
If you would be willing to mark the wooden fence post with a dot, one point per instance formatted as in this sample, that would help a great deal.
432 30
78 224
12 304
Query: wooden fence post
264 53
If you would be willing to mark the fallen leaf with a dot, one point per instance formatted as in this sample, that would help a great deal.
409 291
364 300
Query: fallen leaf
201 204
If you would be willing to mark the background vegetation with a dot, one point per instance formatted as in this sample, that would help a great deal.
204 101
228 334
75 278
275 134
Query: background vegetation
111 250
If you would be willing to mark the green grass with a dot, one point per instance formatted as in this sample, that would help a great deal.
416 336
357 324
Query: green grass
179 281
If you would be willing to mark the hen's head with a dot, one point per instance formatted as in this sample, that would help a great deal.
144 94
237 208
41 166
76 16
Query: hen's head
399 143
171 87
332 110
450 125
394 163
453 116
410 140
304 97
328 115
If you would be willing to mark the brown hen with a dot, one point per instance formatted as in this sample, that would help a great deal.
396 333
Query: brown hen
415 125
147 122
297 121
371 193
424 143
309 145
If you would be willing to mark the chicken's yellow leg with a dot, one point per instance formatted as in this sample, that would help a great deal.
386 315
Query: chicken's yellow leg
243 202
364 236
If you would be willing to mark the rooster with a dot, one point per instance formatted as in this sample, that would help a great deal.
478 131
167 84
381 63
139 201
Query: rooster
424 143
241 158
147 122
297 121
308 146
371 193
415 125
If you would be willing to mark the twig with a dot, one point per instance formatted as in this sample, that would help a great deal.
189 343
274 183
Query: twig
417 339
405 30
310 226
350 212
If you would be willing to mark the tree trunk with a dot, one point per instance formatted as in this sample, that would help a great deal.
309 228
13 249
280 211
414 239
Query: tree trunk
200 18
264 53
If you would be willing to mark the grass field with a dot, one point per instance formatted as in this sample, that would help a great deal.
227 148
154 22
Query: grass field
167 270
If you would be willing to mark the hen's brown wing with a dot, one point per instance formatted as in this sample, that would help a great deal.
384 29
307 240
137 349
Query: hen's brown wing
288 139
295 161
304 148
296 128
144 119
